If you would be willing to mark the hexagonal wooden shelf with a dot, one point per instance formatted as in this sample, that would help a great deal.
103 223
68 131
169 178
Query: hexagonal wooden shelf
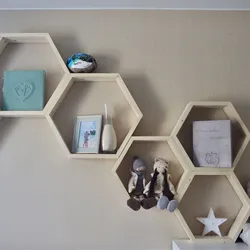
69 95
31 51
86 94
198 111
223 193
149 148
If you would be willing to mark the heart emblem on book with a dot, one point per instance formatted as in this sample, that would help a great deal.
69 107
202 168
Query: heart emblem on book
212 158
25 90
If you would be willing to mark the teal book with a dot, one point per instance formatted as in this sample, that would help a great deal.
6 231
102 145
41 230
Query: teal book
23 90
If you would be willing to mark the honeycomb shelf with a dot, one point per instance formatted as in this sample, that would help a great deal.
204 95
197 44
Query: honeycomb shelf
69 95
86 94
221 192
200 111
31 51
149 148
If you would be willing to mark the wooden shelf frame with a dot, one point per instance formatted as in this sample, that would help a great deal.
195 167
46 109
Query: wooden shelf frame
230 112
151 139
61 93
30 38
189 171
241 217
64 85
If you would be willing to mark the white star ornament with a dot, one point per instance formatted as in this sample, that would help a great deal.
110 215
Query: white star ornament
211 223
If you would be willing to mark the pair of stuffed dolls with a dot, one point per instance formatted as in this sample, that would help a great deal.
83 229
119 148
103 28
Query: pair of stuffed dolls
159 191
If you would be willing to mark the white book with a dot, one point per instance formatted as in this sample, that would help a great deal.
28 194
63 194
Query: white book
212 146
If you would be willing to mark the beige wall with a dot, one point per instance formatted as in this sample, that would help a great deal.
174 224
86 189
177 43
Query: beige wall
167 58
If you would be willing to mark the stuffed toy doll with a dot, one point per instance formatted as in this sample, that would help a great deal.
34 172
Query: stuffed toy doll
136 184
160 191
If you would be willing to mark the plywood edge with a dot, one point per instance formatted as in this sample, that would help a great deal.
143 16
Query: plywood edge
181 153
239 189
184 224
182 119
240 152
117 164
239 222
57 54
58 95
126 139
234 115
151 138
25 37
182 182
94 156
3 44
122 155
213 104
212 239
58 135
94 77
189 176
25 114
120 184
181 244
212 171
20 35
129 97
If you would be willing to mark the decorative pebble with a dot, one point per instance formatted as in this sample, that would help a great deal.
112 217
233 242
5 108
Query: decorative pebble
81 63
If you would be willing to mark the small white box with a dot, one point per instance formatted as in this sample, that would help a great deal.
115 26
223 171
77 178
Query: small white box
212 146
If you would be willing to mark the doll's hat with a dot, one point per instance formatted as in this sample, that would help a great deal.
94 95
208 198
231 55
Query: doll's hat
138 163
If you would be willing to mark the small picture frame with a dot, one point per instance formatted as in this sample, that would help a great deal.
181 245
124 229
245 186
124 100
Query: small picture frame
87 133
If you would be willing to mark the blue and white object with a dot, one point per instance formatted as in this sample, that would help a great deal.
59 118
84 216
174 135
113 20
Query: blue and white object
87 134
81 63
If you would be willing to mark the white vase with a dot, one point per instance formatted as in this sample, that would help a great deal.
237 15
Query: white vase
109 140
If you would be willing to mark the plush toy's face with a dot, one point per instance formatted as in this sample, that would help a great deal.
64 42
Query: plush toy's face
161 165
139 166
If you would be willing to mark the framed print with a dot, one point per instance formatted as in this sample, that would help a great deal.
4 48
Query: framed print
87 133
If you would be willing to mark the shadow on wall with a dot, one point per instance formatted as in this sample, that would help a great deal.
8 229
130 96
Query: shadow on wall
107 63
69 45
244 111
6 126
147 100
243 167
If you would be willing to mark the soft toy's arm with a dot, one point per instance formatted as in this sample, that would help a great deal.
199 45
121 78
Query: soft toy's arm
171 186
131 184
146 189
